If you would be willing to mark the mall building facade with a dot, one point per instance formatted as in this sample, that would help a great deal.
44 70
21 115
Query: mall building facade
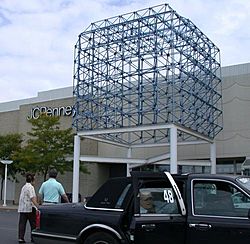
232 143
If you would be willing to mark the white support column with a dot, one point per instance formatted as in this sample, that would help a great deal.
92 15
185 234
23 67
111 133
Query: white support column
5 186
129 154
173 150
213 157
6 162
76 168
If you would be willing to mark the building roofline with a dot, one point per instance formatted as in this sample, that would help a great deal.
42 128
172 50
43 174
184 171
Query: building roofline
235 70
43 96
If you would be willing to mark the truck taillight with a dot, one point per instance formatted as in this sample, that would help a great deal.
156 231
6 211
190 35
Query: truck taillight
38 215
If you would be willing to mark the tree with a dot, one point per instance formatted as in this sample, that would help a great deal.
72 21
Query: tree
10 144
48 146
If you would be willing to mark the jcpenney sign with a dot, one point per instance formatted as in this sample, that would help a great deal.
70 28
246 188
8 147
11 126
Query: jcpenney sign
57 111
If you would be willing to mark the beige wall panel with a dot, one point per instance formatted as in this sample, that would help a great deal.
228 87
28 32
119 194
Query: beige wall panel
89 147
236 116
219 149
201 151
20 181
9 122
234 140
236 91
108 150
234 144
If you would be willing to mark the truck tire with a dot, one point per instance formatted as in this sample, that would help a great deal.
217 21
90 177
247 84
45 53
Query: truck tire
101 238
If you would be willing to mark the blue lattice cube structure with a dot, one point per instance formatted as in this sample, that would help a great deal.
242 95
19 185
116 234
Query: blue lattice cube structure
148 67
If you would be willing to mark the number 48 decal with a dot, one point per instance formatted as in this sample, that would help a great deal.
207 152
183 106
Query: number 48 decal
168 196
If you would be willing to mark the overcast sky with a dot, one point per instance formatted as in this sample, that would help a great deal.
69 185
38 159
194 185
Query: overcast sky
37 37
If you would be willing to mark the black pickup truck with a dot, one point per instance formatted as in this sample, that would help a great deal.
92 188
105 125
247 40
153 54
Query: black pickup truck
154 208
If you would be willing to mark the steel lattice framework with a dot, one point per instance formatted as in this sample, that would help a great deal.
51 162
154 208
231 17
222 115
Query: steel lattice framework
149 67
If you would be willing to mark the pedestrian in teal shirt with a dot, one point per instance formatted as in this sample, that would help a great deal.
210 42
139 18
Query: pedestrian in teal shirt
51 190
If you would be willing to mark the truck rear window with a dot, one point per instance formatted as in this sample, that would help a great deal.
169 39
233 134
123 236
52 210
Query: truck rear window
111 195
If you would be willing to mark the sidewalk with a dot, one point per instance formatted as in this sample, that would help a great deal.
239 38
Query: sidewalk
10 206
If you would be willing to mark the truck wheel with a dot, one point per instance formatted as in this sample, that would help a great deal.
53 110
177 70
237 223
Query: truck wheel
101 238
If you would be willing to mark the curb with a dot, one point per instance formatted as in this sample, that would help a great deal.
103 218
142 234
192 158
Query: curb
11 207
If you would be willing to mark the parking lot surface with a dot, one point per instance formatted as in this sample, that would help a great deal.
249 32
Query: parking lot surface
9 227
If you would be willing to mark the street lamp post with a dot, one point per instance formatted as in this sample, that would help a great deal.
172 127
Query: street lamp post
6 162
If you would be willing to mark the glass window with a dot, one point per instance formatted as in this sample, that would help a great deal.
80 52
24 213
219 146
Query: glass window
122 196
240 200
245 181
111 194
219 198
158 201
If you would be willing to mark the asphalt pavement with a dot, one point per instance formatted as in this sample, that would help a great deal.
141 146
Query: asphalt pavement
9 226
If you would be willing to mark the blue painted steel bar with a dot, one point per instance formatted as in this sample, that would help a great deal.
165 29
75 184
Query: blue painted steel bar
151 66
